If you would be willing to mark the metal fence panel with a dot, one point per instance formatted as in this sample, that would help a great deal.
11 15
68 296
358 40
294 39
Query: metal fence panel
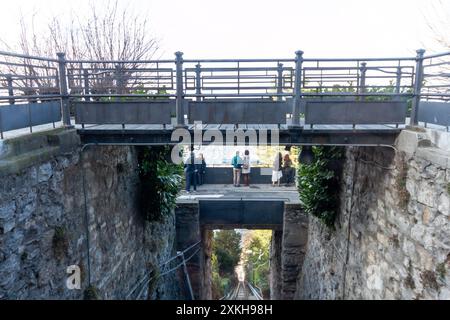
435 112
356 112
20 116
239 112
130 112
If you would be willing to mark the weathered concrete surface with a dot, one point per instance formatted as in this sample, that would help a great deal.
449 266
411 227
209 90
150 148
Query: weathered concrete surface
43 230
392 238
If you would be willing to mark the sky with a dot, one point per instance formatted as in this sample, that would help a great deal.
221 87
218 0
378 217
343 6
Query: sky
272 29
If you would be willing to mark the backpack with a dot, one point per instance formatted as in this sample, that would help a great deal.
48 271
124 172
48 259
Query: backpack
235 164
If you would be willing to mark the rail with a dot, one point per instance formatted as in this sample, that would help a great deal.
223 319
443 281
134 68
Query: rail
243 285
37 90
255 291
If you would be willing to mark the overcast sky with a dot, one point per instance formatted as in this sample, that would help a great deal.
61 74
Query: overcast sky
276 28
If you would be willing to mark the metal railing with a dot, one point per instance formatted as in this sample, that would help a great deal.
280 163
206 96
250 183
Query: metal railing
28 78
436 77
33 80
167 267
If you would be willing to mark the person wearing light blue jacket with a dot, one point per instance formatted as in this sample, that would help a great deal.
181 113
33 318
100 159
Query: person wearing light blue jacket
236 162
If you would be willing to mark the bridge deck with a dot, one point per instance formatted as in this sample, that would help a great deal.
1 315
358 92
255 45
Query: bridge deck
318 134
229 192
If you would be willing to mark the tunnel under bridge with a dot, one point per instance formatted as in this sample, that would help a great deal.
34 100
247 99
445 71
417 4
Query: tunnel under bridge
259 206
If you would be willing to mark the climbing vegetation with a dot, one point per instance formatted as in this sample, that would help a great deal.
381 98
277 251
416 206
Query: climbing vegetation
318 183
161 181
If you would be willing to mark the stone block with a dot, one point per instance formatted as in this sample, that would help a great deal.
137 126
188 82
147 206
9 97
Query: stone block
427 193
444 203
407 141
7 210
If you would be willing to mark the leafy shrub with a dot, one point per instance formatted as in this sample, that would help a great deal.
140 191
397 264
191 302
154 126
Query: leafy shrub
161 181
227 247
318 183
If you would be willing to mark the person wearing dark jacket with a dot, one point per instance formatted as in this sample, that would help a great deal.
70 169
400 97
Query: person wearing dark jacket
201 169
190 171
288 170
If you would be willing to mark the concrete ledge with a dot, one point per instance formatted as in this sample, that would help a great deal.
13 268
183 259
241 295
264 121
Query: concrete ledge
439 138
19 153
435 155
430 145
16 164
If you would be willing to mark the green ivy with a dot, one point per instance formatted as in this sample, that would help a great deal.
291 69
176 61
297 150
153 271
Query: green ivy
318 183
161 181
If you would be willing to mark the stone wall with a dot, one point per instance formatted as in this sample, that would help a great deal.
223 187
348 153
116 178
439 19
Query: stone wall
275 280
392 237
293 248
188 233
43 229
287 252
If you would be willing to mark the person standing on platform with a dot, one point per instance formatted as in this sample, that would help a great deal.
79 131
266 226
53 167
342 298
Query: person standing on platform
236 162
190 171
246 168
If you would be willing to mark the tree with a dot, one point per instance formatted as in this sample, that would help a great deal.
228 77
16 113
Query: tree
256 256
227 248
437 17
107 31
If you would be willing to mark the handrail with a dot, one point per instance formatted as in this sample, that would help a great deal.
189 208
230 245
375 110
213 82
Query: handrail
146 279
437 55
26 56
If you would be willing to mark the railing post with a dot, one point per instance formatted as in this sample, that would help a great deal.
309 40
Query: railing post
362 78
120 83
10 89
414 120
398 83
198 82
179 76
63 89
280 81
297 88
86 84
